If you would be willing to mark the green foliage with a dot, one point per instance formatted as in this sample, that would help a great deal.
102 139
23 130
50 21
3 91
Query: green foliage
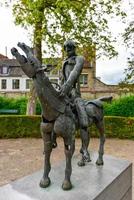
38 108
118 127
11 103
84 21
18 126
120 107
128 36
19 104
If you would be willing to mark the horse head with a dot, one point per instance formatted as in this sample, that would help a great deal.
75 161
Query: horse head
29 64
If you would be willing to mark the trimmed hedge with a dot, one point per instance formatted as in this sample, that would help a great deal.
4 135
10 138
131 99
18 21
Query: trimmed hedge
118 127
18 126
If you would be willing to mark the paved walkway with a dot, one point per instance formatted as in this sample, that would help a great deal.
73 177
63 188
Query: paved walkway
20 157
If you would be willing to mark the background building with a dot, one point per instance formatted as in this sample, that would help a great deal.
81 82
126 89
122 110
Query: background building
13 81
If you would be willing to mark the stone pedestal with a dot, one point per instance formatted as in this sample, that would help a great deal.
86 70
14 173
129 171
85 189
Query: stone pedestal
113 181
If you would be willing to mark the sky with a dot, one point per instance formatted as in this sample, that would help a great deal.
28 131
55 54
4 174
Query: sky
109 71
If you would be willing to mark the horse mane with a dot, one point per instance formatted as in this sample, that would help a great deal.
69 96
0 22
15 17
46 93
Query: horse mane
47 92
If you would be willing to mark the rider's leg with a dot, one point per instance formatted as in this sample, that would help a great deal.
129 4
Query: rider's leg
85 138
46 129
84 134
81 112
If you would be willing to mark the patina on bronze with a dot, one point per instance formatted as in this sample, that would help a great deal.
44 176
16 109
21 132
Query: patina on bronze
61 108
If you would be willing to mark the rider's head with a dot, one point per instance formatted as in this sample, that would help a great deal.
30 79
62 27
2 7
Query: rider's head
69 47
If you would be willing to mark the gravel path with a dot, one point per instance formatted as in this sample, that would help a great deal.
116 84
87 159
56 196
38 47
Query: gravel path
20 157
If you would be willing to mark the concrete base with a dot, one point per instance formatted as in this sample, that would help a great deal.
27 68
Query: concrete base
113 181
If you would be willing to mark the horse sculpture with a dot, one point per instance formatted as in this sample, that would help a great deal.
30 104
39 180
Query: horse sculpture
58 117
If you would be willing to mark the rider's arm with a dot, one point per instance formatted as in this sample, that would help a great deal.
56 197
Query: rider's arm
74 75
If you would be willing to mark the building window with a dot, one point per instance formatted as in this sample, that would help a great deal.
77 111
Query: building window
28 83
3 84
83 79
4 70
15 84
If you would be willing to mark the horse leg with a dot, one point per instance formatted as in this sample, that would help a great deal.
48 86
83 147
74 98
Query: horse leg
69 150
100 126
54 137
85 138
46 129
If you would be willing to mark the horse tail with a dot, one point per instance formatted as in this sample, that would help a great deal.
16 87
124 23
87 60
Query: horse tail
107 99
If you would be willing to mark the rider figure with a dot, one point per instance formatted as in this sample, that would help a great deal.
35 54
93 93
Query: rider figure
71 70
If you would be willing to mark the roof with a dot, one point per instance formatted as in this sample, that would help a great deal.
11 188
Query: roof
3 57
9 62
14 68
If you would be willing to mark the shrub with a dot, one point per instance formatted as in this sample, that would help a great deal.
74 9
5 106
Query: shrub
120 107
14 103
18 126
19 104
38 108
119 127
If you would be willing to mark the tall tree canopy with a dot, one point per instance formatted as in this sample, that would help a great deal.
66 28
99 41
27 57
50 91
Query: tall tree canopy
85 21
129 42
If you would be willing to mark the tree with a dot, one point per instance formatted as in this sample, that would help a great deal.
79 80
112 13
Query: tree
54 21
129 42
85 21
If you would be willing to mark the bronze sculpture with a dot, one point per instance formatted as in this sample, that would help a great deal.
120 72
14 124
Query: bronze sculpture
59 113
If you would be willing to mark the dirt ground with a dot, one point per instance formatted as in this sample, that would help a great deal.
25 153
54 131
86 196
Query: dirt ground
20 157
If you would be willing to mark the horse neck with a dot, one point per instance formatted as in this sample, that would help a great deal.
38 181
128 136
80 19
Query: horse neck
49 98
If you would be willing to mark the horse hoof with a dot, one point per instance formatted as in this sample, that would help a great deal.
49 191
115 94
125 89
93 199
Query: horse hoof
45 182
81 163
66 185
87 159
99 162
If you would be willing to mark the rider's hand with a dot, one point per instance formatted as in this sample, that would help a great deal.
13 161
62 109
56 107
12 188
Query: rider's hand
64 90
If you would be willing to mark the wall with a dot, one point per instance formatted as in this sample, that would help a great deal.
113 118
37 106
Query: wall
9 84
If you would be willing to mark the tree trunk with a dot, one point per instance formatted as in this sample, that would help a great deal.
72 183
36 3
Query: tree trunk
37 48
31 104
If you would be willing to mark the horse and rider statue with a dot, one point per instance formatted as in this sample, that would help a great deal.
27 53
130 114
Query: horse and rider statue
64 111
